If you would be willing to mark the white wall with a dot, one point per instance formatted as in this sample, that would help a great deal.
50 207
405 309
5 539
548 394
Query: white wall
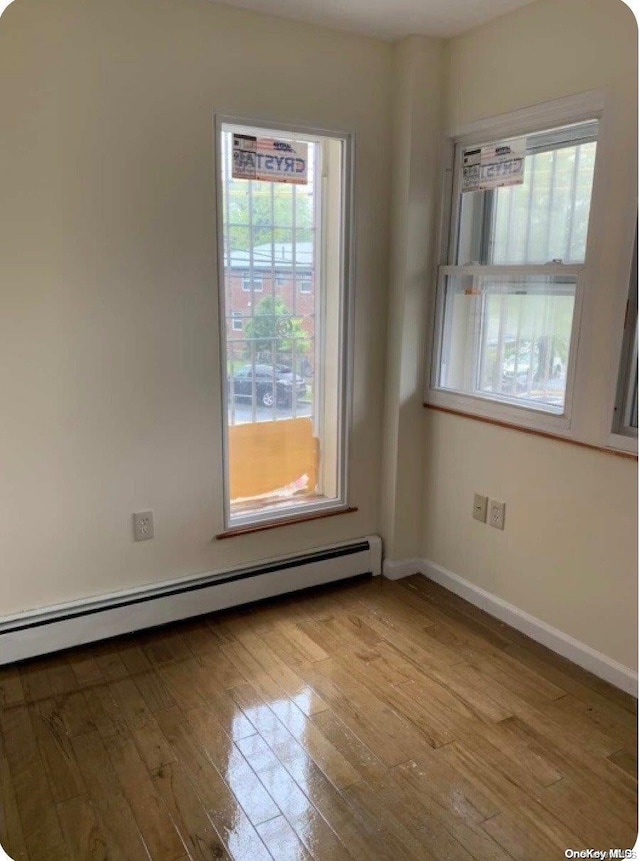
108 310
568 554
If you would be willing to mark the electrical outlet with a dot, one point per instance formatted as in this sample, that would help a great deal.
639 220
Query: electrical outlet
496 513
143 525
480 508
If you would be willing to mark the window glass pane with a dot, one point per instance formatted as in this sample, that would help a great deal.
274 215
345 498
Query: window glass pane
508 338
545 218
283 348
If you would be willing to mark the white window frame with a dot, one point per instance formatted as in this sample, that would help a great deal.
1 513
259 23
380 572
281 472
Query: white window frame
623 435
527 121
346 327
237 317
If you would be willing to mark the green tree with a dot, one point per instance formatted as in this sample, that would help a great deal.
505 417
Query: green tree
273 331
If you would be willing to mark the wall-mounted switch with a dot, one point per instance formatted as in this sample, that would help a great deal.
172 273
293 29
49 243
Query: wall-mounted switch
480 508
496 513
143 525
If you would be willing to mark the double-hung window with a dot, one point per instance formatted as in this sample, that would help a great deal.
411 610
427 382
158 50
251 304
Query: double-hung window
510 288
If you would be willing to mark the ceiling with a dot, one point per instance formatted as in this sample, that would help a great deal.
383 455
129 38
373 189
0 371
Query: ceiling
388 19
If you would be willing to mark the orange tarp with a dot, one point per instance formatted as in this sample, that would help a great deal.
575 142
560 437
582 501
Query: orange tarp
267 456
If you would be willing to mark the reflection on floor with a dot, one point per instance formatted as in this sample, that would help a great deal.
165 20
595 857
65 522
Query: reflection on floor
371 720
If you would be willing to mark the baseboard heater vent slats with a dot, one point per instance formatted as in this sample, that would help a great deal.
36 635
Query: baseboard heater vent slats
40 632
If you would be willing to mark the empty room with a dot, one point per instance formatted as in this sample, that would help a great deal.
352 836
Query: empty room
318 448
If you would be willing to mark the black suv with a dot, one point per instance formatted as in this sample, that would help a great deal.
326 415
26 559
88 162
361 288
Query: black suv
268 384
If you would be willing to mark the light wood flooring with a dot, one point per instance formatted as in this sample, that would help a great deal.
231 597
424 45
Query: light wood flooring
371 720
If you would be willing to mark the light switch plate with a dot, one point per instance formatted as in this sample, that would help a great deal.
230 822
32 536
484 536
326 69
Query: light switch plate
480 507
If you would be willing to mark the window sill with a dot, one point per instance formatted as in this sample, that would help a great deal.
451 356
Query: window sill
248 528
519 414
629 455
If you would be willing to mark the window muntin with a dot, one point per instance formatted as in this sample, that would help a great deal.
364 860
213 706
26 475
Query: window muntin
509 296
286 372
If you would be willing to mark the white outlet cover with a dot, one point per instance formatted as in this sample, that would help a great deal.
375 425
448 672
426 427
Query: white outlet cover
496 513
143 525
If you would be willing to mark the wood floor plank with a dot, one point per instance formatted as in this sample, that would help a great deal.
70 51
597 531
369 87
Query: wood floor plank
85 668
230 821
105 792
108 660
156 827
62 769
426 707
36 681
188 812
311 828
374 722
521 838
581 807
282 841
355 826
435 819
11 836
627 762
561 753
41 830
85 835
329 760
128 698
254 657
235 770
11 689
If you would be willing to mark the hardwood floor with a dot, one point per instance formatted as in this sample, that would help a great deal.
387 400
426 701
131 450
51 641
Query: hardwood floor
370 720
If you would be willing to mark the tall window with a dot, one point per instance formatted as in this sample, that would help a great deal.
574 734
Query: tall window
284 219
509 293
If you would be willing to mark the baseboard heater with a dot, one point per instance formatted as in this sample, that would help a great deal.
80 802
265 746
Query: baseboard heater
42 631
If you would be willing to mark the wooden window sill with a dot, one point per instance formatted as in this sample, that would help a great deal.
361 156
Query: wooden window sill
248 528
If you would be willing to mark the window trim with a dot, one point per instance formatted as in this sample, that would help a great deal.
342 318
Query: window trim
346 335
524 121
623 436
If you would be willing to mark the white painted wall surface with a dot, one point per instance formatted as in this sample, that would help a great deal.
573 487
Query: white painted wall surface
109 368
568 554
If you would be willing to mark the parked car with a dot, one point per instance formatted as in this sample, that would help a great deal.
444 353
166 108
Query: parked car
519 364
268 384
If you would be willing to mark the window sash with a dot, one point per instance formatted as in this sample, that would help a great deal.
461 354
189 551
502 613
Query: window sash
537 143
516 407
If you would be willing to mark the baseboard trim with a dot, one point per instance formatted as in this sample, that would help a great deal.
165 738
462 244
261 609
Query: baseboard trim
40 632
397 570
563 644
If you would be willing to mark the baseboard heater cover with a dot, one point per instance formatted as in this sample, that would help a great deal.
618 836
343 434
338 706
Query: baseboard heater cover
40 632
